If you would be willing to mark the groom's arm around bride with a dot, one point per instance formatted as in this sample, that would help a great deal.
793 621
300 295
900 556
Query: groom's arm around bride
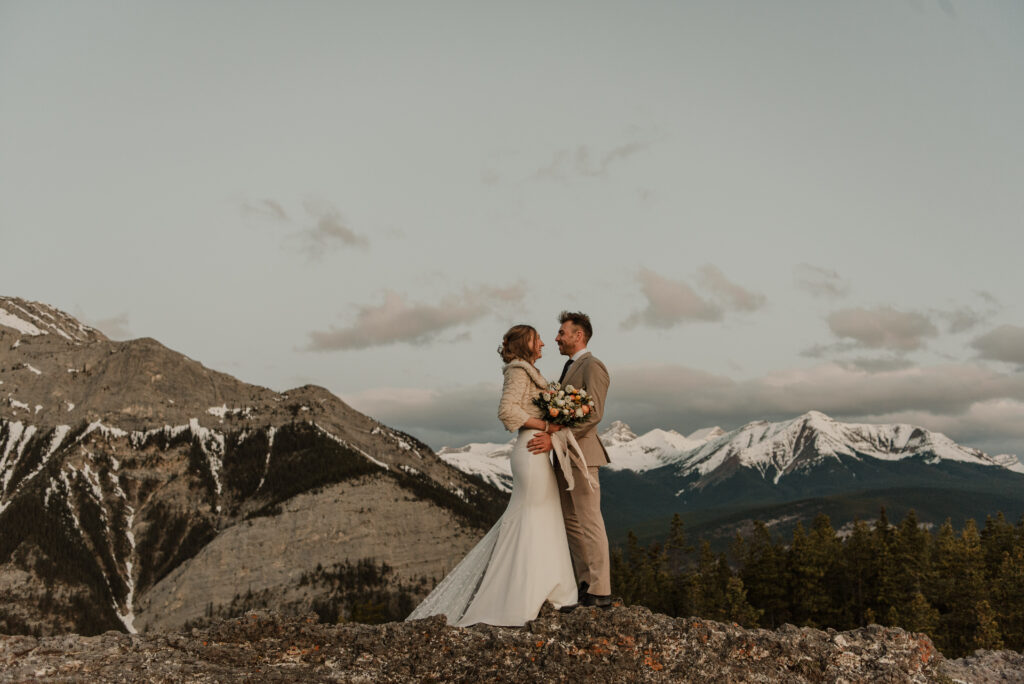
581 507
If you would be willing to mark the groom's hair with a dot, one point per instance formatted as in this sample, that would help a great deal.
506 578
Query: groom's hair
580 320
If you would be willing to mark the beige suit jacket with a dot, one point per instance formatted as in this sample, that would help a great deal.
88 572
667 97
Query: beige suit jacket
590 374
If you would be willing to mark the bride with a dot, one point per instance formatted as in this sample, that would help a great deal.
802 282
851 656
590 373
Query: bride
524 559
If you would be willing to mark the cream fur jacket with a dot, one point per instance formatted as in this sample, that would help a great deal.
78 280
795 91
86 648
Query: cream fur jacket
523 383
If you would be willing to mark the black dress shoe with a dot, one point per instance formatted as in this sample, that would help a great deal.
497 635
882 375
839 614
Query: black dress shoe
583 591
592 600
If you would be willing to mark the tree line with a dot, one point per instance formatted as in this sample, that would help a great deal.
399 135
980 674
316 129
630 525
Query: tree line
964 588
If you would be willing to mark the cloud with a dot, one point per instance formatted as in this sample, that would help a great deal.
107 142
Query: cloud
396 319
450 417
670 302
883 327
266 208
115 327
820 282
329 232
733 296
582 160
879 364
971 404
1005 343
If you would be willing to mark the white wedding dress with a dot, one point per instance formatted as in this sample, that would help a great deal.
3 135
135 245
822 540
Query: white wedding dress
521 562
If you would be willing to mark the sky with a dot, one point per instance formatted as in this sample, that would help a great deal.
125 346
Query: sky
765 207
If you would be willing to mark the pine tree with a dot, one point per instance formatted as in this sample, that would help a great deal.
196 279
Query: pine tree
811 561
987 634
1008 596
966 567
737 608
854 590
884 571
763 572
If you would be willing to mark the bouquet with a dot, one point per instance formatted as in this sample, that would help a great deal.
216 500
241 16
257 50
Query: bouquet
566 406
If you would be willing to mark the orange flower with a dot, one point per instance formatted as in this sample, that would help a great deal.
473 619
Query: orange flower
586 409
553 412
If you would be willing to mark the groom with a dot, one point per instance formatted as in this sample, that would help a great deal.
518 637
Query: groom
581 507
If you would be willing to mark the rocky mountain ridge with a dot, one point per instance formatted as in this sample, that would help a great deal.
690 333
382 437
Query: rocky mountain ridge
622 644
140 490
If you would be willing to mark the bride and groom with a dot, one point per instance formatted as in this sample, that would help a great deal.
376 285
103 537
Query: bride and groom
550 543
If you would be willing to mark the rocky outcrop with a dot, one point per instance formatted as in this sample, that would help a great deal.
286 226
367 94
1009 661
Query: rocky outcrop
618 645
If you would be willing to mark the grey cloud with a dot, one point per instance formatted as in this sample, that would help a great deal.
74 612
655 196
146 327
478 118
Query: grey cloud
966 402
116 328
450 417
820 282
734 296
330 231
396 319
879 364
670 302
883 327
1005 343
266 208
962 319
583 161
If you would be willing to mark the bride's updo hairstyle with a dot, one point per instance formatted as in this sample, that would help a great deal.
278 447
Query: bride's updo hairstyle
518 344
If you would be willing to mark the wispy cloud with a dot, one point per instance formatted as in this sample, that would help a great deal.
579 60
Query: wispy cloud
398 320
672 302
320 231
265 208
115 327
1005 343
820 282
585 161
883 328
729 293
330 231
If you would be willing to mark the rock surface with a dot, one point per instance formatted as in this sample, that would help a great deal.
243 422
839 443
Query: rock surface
622 644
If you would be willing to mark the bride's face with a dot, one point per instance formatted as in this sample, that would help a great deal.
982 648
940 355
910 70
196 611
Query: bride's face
538 344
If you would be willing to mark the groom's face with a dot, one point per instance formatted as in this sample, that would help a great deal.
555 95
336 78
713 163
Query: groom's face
569 339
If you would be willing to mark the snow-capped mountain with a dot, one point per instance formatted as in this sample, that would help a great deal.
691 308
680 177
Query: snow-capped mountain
776 450
653 449
489 460
763 465
140 489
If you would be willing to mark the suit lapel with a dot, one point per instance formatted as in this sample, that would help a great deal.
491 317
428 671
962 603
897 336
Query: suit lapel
575 373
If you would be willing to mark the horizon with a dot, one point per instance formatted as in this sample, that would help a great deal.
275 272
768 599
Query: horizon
766 209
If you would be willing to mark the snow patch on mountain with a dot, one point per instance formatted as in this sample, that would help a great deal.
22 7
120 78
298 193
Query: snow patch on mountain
488 461
651 450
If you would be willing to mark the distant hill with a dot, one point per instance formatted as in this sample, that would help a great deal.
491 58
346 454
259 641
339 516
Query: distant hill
141 490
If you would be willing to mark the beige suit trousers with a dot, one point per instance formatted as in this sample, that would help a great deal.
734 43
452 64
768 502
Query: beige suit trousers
584 526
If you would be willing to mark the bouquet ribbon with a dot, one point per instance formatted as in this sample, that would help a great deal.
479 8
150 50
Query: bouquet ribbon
568 452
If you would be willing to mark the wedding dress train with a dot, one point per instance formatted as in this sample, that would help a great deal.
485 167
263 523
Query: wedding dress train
521 562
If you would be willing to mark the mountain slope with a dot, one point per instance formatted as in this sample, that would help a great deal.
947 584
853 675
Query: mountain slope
139 489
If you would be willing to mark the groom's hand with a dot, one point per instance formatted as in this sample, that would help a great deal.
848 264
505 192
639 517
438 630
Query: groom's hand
540 444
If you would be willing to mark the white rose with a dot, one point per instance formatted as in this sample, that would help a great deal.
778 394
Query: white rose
559 402
547 396
579 413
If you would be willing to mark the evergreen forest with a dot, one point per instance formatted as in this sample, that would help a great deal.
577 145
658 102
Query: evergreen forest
963 588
